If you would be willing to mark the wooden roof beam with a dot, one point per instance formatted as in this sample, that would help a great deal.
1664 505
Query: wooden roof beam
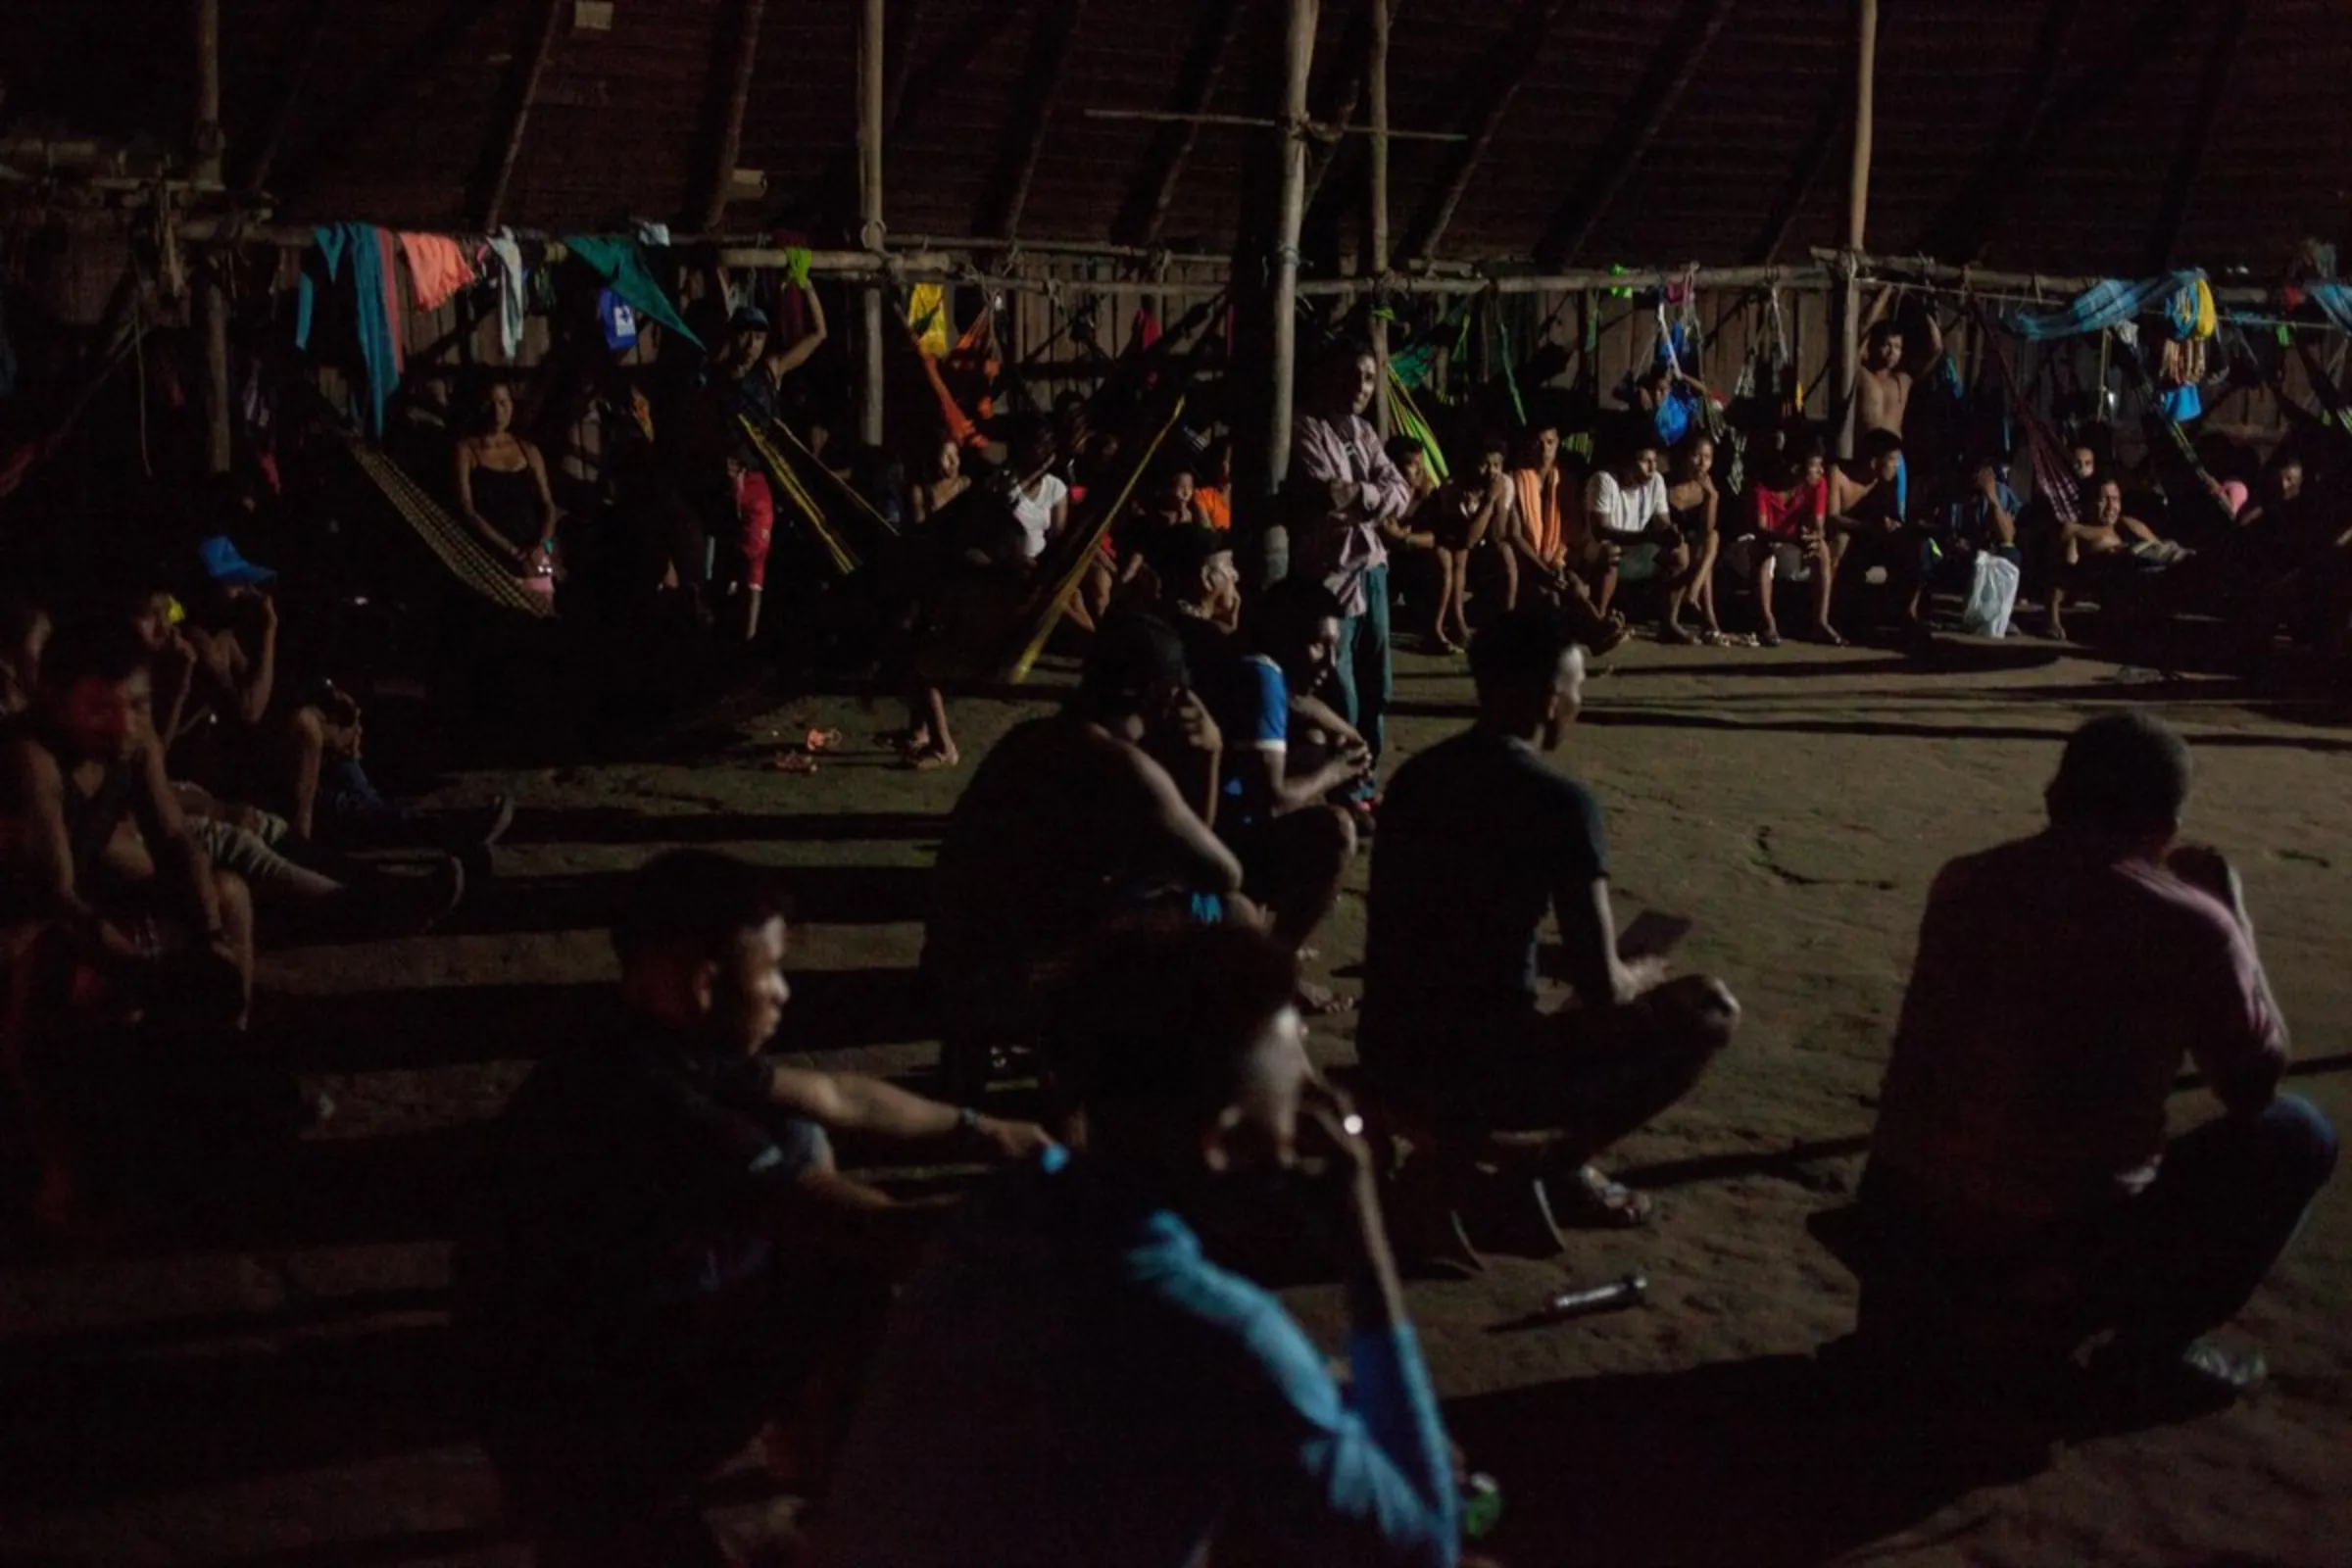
1500 75
1972 218
1805 172
1145 212
289 99
726 134
2188 159
1959 229
333 141
1671 66
522 90
1041 91
1354 56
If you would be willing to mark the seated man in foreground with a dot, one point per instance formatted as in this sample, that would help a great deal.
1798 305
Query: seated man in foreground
2020 1174
669 1257
1069 1381
1275 813
1068 820
1478 840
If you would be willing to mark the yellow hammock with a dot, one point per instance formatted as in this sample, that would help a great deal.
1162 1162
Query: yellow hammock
845 560
466 557
1066 584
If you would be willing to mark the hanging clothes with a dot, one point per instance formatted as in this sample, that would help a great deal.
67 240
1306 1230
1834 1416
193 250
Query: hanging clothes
2103 305
437 267
512 290
2336 300
927 315
376 316
621 263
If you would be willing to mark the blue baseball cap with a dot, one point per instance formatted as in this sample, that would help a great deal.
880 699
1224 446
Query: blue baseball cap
223 564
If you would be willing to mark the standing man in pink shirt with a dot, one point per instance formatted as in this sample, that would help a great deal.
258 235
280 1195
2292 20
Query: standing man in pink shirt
2022 1192
1344 489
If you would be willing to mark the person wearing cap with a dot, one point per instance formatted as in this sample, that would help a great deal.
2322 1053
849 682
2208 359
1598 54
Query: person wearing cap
755 363
2024 1193
1069 819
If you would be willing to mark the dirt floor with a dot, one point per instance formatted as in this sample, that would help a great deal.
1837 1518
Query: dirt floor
267 1382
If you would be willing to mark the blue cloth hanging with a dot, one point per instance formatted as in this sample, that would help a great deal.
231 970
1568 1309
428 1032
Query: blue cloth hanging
2336 300
2103 305
378 353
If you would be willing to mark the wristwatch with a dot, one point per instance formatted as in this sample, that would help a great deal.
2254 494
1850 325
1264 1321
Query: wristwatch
967 1122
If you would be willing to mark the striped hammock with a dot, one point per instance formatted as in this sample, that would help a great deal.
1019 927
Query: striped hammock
467 558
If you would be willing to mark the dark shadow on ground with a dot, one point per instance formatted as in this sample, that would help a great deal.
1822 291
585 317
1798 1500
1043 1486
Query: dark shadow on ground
434 1026
444 1026
603 824
1763 1461
588 900
88 1432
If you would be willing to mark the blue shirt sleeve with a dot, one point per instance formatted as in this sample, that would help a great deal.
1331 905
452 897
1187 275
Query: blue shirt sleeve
1269 706
1351 1484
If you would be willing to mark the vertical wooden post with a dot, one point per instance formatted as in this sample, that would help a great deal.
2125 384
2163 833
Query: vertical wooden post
1857 216
212 299
871 233
1299 59
1375 87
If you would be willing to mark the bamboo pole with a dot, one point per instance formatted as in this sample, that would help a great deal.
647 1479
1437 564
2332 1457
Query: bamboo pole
525 92
1857 216
722 173
212 298
1299 59
871 233
305 66
1376 85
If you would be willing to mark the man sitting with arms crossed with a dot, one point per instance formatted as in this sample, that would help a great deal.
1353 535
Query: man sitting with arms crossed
669 1256
1068 820
2020 1176
1478 842
1070 1382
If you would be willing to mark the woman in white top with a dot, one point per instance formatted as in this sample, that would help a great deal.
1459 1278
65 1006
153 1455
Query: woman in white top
1038 497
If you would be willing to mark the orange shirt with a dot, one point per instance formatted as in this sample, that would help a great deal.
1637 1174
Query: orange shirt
1215 505
1539 512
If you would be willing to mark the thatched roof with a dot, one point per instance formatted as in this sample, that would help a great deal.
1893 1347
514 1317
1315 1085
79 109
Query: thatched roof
2061 135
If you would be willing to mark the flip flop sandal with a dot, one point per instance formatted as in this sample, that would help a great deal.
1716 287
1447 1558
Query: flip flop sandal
796 763
1769 639
1594 1201
825 740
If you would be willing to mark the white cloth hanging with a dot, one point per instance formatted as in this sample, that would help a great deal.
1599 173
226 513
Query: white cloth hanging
511 292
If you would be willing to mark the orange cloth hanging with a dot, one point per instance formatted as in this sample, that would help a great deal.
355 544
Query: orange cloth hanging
1540 512
437 267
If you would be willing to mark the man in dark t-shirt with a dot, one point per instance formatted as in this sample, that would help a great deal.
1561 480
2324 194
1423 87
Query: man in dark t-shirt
1479 839
664 1258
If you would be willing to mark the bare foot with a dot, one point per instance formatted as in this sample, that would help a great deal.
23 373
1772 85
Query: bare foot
931 758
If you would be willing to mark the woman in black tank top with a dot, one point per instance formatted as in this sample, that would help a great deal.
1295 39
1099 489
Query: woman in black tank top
1693 501
503 495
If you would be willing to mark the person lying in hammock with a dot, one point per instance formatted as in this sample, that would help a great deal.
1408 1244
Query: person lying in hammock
2108 548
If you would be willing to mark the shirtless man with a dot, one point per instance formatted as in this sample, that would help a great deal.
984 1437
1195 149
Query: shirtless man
1882 383
2085 548
1069 820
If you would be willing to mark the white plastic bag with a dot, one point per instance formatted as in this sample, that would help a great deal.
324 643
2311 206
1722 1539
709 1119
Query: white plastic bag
1991 597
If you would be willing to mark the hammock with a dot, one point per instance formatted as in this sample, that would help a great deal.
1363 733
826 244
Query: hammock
1404 417
2052 479
837 549
466 557
1079 547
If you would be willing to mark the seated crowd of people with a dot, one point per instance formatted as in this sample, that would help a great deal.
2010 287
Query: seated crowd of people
681 1247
